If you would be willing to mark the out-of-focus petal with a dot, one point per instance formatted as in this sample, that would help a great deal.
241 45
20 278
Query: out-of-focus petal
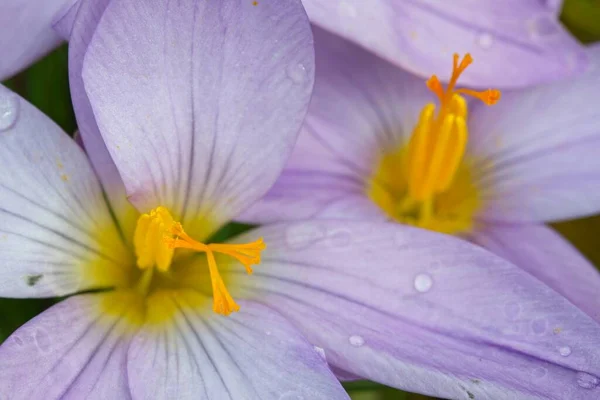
543 253
71 351
252 354
361 105
537 151
26 32
56 233
64 25
400 306
200 102
83 27
515 43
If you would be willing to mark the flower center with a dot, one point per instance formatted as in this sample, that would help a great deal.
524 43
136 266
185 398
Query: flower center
156 237
427 182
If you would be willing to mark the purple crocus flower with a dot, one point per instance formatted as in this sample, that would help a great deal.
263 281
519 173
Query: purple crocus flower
198 104
503 171
421 35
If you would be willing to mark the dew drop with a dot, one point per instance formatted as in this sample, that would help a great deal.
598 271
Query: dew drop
302 235
423 283
485 40
9 111
512 310
587 381
539 373
564 351
356 340
321 352
18 341
42 341
543 27
297 73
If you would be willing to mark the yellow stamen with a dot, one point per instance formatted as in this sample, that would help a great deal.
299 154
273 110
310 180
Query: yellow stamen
414 184
248 254
438 145
148 239
156 237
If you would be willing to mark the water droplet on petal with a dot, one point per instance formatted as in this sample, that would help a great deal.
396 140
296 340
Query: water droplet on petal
297 73
539 372
291 396
356 340
587 381
302 235
18 341
9 110
564 351
268 333
485 40
423 283
512 310
321 352
543 27
42 341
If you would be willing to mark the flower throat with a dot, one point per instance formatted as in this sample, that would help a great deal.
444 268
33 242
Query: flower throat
427 182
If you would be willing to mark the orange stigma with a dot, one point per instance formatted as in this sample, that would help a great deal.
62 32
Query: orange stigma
489 96
248 254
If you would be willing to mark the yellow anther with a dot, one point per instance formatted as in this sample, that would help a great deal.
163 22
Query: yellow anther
438 143
150 248
248 254
458 106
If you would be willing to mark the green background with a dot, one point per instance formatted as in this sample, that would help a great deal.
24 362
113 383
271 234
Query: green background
46 85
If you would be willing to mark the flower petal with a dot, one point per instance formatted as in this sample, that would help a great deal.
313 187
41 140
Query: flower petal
64 25
537 150
68 351
543 253
361 105
208 101
421 35
56 232
253 354
26 32
400 306
83 27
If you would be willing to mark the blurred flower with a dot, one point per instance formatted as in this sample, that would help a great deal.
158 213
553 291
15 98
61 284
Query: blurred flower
26 32
198 104
375 147
420 36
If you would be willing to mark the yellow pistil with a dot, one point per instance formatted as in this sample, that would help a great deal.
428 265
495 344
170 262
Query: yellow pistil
432 160
156 237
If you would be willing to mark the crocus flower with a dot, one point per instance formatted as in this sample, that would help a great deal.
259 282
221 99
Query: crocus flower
420 36
374 146
198 104
26 31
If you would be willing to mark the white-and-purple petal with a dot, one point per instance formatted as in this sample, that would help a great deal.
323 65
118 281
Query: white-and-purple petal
425 312
55 226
